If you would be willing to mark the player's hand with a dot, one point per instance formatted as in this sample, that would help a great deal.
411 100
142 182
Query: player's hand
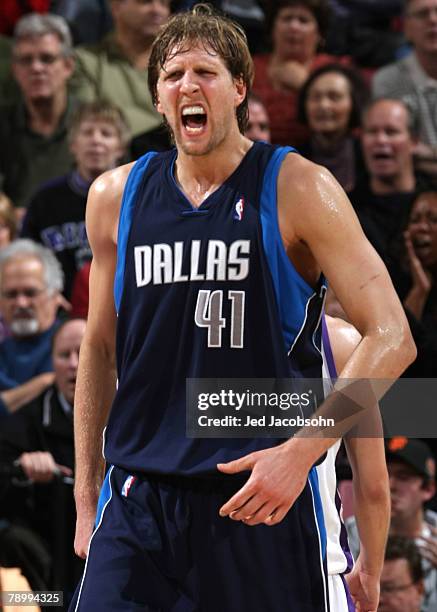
422 279
277 479
364 589
41 467
85 518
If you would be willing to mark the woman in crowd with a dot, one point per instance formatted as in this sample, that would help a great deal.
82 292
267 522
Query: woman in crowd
330 104
416 282
296 29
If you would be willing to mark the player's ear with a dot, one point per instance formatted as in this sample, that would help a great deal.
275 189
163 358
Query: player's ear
240 91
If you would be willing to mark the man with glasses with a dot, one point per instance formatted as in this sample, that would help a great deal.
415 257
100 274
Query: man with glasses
414 78
411 469
401 578
33 133
31 280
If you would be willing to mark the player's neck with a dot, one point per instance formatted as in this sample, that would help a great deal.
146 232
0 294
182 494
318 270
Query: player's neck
200 175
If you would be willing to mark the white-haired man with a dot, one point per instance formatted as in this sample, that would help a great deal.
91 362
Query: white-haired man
31 280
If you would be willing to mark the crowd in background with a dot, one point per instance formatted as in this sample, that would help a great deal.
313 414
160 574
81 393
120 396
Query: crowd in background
351 84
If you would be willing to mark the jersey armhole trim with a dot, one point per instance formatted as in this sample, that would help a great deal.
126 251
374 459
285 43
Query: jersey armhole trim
269 208
125 220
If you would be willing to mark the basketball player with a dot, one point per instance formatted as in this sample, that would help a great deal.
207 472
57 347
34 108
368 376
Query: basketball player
371 493
216 249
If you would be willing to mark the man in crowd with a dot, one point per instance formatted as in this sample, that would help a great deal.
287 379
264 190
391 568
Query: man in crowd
33 134
383 201
411 469
402 577
30 284
414 78
116 68
98 136
39 439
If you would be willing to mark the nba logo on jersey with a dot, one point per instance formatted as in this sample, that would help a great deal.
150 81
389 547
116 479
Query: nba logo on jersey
127 485
238 210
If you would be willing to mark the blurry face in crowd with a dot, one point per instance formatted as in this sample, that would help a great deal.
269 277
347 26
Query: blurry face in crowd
329 104
398 593
142 18
423 228
387 141
5 233
258 127
421 25
407 490
295 33
96 147
66 357
39 66
27 306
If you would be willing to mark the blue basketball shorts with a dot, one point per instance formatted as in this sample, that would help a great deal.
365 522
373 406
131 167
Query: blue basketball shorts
161 546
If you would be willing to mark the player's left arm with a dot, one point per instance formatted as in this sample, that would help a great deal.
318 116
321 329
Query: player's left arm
320 217
371 492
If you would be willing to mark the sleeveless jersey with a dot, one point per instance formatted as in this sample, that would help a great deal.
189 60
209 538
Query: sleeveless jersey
202 293
338 555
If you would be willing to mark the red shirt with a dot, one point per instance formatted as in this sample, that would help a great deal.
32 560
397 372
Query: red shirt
282 106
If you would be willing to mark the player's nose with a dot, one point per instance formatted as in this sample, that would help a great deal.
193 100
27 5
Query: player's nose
189 83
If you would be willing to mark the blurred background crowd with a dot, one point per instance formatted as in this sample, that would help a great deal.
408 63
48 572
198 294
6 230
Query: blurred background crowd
352 84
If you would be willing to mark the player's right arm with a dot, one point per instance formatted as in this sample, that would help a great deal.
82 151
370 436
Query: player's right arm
96 377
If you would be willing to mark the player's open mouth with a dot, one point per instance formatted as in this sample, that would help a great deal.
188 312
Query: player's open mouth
194 119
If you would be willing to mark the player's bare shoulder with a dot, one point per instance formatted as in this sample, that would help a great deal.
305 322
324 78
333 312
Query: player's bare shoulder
104 202
309 196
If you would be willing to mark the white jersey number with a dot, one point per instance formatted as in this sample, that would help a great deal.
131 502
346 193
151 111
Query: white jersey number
209 310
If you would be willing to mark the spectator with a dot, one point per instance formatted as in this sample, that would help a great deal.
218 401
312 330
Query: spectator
8 230
116 69
297 29
258 126
33 134
39 438
383 202
30 284
411 469
89 20
401 578
415 278
98 136
414 78
330 104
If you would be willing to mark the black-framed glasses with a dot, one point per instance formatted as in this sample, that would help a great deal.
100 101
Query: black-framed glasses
31 293
44 58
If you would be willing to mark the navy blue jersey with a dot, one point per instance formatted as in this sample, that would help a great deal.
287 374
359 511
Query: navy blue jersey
202 293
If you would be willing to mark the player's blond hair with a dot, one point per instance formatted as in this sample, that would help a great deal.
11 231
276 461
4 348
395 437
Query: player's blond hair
215 32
